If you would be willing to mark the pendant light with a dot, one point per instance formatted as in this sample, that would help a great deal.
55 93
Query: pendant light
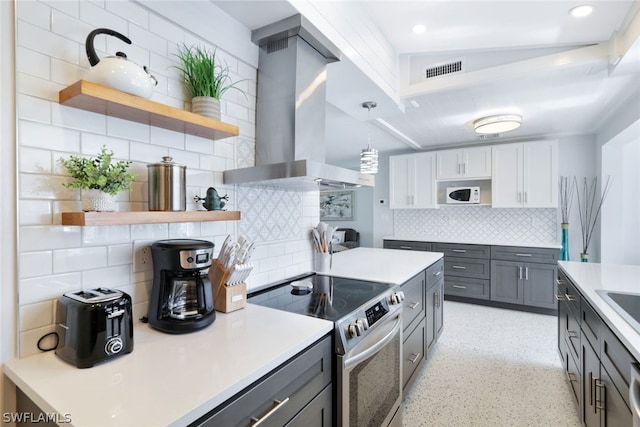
369 156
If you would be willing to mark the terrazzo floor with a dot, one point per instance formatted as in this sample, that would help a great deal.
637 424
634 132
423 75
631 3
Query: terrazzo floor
492 367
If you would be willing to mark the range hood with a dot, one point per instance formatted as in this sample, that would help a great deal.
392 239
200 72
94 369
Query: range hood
290 112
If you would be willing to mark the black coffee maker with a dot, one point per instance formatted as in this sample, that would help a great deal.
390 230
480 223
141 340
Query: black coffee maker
181 297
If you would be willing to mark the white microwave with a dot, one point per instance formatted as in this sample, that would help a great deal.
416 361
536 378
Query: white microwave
463 195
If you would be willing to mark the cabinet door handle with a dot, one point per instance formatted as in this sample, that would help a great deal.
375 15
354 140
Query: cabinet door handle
437 273
519 196
458 168
525 198
460 251
526 273
436 299
414 357
525 255
519 273
600 391
414 304
458 267
464 168
279 404
458 286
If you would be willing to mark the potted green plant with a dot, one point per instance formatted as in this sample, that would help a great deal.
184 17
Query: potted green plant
206 78
99 179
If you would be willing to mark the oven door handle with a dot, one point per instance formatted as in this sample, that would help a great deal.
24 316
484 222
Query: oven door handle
378 344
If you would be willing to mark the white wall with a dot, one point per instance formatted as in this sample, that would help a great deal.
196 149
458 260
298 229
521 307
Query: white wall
54 259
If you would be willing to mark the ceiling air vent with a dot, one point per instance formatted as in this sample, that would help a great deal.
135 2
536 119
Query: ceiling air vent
486 136
443 69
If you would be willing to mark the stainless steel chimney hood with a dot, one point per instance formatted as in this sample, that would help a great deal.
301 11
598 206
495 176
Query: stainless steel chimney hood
290 112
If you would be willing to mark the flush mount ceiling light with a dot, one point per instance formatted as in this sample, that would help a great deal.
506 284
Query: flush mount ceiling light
369 155
581 11
419 28
497 124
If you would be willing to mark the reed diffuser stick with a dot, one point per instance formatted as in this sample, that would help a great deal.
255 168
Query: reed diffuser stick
566 198
589 207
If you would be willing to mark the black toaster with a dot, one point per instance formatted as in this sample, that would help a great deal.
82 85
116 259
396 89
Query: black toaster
93 326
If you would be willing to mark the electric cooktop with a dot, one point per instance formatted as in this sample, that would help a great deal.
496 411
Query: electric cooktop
325 297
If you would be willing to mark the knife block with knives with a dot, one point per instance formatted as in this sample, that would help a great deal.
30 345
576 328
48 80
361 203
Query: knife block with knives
226 298
228 273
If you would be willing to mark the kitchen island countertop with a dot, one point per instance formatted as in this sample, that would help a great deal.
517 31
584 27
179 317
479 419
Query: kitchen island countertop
393 266
589 277
168 380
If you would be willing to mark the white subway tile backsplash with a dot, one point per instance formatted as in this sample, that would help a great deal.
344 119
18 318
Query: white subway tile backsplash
98 17
66 73
33 63
79 259
70 27
105 235
109 277
35 212
167 138
149 231
38 87
148 40
35 13
33 264
34 109
69 7
92 144
39 238
48 137
131 11
48 43
199 145
73 118
181 230
45 187
147 153
34 160
127 129
37 289
190 160
29 340
120 254
36 315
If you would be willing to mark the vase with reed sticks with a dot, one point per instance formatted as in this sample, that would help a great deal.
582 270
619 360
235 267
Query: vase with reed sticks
566 198
589 207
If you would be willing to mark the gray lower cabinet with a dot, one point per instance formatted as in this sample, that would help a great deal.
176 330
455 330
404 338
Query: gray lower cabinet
422 319
531 283
298 393
597 364
407 245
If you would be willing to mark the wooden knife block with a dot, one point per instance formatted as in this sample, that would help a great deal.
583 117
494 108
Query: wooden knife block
226 298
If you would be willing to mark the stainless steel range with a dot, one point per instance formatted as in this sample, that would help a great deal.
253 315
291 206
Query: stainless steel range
368 341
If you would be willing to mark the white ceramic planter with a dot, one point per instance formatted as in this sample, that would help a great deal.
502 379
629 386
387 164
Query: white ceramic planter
98 201
206 106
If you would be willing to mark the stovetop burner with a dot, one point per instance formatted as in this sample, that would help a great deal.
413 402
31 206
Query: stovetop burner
325 297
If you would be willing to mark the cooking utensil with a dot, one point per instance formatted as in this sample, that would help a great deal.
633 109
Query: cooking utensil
117 71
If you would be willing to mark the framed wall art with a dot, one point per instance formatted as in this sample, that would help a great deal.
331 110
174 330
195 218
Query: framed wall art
336 205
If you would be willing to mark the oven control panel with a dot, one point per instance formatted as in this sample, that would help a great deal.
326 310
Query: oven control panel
375 313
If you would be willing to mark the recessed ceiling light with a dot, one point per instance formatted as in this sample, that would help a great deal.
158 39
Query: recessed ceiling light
419 29
581 11
497 124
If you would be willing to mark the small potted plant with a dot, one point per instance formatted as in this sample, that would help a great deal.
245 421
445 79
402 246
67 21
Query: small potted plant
206 78
99 179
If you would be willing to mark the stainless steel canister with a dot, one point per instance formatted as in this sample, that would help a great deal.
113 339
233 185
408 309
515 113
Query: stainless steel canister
167 186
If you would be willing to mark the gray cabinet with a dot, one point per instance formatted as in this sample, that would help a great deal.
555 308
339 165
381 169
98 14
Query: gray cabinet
298 393
530 283
466 269
407 245
434 302
597 364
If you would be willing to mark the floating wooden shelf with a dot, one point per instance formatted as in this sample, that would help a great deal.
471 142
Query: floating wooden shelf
101 99
155 217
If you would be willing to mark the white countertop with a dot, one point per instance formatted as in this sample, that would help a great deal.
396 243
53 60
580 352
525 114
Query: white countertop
168 380
381 265
622 278
496 242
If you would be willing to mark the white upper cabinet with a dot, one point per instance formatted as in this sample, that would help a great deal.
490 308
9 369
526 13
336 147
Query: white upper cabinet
525 175
412 181
468 163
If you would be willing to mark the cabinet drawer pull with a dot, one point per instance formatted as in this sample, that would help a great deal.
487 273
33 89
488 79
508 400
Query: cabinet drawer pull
571 376
279 404
414 358
560 298
572 334
460 251
458 286
437 273
458 267
414 304
406 247
599 401
560 282
570 297
525 255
